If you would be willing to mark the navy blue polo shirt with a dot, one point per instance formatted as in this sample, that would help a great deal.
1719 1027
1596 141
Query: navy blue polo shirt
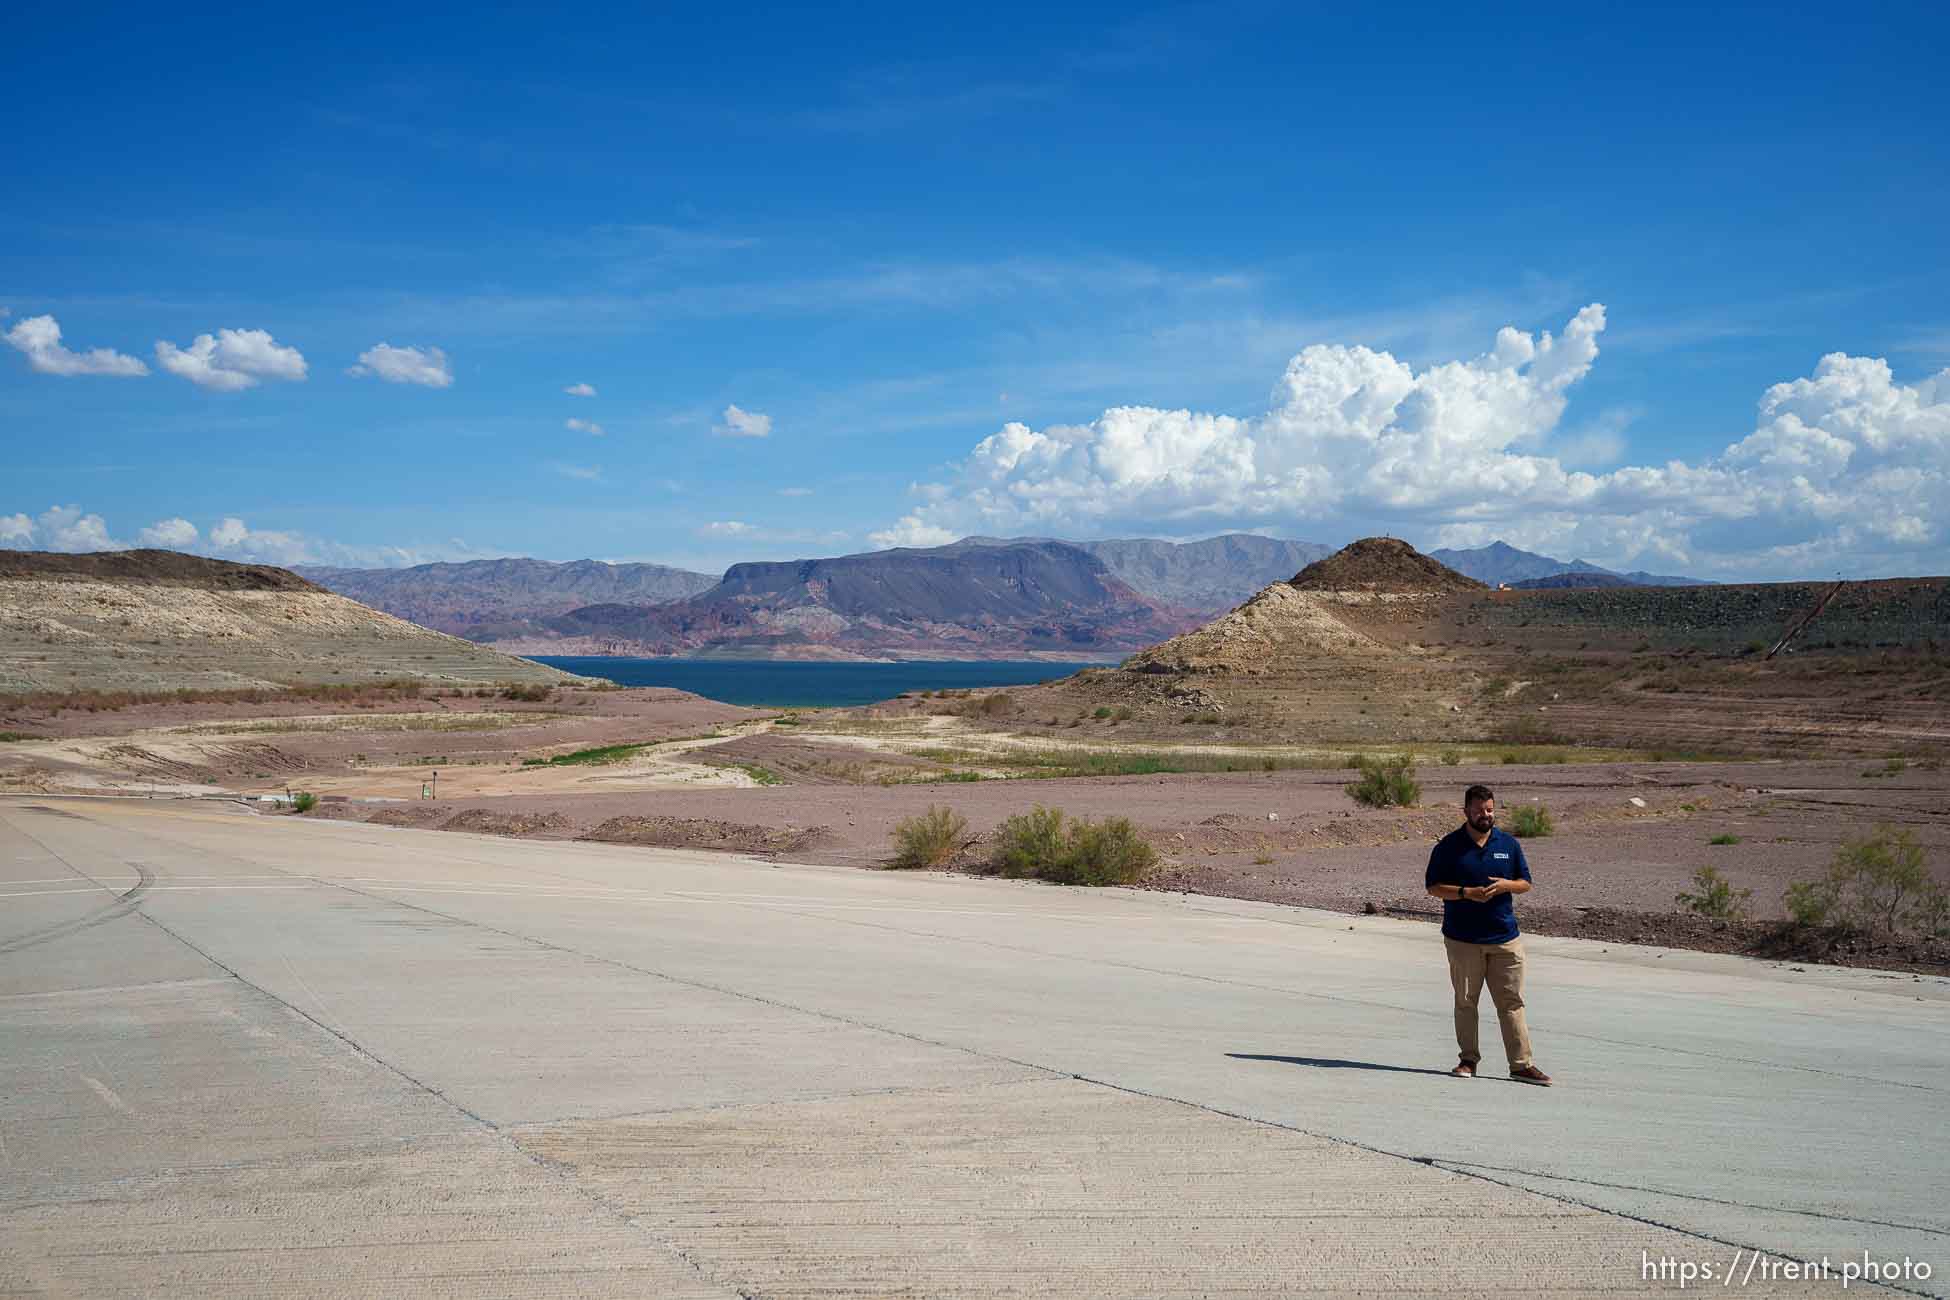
1455 860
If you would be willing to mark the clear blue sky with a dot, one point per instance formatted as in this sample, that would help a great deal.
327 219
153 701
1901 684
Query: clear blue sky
883 234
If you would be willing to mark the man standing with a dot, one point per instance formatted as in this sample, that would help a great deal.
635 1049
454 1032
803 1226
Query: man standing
1474 870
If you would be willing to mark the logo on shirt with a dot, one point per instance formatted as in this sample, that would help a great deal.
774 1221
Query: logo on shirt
1500 857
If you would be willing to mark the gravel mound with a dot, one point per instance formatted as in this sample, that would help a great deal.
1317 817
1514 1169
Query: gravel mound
482 822
1381 564
703 833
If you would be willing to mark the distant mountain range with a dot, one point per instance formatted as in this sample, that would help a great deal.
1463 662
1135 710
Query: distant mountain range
1501 564
1010 600
498 600
978 597
1212 575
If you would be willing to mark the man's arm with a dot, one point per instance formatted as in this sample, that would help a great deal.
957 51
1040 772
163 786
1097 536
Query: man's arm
1437 867
1518 882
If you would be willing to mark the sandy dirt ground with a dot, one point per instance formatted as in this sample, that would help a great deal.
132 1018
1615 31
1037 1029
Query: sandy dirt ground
1629 832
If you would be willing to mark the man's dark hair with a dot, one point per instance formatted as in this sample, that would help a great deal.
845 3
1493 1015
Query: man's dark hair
1476 794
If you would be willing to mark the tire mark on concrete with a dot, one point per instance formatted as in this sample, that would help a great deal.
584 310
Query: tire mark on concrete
121 905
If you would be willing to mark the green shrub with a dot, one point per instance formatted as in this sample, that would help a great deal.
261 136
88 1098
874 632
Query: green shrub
1101 711
930 839
529 693
304 801
1876 883
1532 821
1386 783
1042 845
1451 757
1724 839
1717 899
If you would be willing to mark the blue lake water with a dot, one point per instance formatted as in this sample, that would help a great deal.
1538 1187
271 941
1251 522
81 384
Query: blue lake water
770 684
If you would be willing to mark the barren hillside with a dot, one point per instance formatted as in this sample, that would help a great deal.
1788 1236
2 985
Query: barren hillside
1381 643
157 620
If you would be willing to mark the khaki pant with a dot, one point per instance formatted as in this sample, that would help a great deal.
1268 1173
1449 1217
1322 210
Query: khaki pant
1500 965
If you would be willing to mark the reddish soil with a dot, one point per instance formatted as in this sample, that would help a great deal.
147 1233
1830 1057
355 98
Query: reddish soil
1610 871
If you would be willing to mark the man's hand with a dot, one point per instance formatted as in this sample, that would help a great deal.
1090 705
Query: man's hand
1472 893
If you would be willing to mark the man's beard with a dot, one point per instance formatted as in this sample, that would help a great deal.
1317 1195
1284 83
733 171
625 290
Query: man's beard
1482 822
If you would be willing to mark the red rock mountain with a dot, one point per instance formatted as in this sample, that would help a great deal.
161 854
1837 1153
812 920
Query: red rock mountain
978 602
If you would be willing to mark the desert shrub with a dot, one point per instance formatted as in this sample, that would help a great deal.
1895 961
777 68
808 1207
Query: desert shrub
7 737
998 705
1042 844
1124 715
1451 757
1724 839
528 692
930 839
1532 821
1876 883
304 801
1101 711
1716 899
1386 783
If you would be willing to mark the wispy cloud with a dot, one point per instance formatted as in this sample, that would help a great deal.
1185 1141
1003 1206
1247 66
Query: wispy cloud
739 530
589 427
580 390
587 473
427 367
737 422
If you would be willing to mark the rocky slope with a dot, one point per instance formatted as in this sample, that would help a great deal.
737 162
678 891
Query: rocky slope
495 600
160 621
1039 599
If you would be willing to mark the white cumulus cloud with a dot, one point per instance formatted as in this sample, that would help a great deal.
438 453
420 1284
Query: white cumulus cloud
580 390
174 534
39 337
1846 467
231 360
589 427
59 528
70 528
424 366
739 423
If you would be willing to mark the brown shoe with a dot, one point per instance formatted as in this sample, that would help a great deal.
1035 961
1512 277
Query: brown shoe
1531 1074
1464 1070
